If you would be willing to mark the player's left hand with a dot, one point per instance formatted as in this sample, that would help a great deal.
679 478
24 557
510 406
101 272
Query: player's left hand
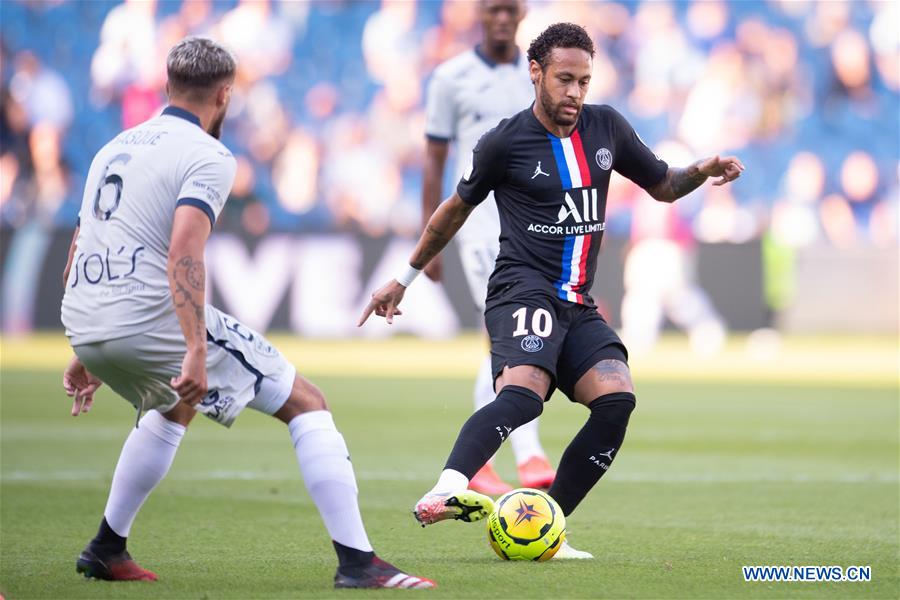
191 385
384 303
80 384
727 169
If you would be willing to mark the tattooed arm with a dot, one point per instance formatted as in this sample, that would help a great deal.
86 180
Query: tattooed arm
441 228
432 180
187 281
681 182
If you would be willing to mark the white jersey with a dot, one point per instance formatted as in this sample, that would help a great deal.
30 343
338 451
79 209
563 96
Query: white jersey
118 284
467 96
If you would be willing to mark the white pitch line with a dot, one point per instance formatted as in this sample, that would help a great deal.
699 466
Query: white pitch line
227 475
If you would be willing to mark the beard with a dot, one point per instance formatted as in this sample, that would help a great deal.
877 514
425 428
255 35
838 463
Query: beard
554 111
215 128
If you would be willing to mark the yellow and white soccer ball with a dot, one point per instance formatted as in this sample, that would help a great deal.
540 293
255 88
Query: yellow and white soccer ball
526 524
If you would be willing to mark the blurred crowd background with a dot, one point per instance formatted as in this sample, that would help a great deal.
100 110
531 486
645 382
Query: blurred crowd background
327 115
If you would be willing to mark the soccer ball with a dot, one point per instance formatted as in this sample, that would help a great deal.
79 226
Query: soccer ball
526 524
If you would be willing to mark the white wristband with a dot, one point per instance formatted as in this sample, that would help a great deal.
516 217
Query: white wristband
406 277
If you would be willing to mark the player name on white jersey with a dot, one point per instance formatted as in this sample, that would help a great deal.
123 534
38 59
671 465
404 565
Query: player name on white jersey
118 285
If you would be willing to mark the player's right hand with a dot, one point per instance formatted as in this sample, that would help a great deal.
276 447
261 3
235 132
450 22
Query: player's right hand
191 384
384 302
434 270
80 384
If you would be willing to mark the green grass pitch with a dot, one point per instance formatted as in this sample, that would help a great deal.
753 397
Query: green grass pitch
714 475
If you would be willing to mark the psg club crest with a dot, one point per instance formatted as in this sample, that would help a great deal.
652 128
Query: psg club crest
532 343
603 158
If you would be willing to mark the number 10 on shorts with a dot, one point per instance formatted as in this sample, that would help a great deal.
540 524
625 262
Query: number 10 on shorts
541 322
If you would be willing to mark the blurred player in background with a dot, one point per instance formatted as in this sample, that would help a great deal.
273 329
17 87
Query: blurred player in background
549 167
660 281
135 315
468 95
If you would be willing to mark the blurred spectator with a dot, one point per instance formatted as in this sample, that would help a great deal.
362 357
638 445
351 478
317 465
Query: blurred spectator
859 176
244 212
42 92
261 41
886 43
295 173
50 174
263 124
827 21
837 221
387 41
454 34
327 109
721 109
850 57
127 49
14 129
361 182
665 64
722 219
794 222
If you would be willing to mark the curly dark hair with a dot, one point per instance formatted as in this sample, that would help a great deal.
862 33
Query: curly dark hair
559 35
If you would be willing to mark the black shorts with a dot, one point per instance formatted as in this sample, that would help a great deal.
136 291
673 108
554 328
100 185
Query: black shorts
565 339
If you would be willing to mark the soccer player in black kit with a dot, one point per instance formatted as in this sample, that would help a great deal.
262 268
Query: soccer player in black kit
549 167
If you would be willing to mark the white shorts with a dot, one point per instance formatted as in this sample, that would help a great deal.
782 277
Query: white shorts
479 244
242 368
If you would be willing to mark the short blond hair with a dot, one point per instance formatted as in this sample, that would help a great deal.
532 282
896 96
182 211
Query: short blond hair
198 64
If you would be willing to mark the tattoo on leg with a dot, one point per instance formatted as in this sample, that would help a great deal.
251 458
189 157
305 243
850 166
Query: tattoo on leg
539 376
613 371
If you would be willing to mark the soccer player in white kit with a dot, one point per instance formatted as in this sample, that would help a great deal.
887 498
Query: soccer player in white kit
468 95
135 315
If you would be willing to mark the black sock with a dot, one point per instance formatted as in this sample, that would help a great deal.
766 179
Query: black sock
481 436
592 450
107 541
350 560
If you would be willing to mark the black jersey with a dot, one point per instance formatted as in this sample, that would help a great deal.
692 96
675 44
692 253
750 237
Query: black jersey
551 195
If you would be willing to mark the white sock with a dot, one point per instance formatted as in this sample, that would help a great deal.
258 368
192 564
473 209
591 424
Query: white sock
525 442
328 474
484 385
450 481
483 393
145 459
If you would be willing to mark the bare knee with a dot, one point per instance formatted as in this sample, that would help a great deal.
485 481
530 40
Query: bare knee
304 397
606 377
533 378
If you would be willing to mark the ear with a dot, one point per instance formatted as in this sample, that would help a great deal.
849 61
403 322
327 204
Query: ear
534 69
223 94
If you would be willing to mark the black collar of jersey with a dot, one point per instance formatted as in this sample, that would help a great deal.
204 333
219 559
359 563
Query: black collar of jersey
491 63
187 115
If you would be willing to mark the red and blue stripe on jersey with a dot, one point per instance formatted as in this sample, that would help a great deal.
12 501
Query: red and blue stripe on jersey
573 173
